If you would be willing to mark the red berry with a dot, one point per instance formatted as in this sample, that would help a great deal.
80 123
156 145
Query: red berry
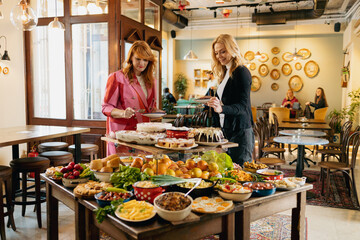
66 175
69 168
72 164
77 166
63 170
76 174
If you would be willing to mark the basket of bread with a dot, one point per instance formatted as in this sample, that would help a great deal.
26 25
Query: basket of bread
89 189
103 168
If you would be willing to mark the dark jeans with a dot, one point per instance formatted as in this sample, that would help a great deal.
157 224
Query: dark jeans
246 140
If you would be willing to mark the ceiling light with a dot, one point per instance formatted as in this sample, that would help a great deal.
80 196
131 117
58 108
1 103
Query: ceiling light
215 14
190 55
5 56
272 10
56 24
23 17
295 55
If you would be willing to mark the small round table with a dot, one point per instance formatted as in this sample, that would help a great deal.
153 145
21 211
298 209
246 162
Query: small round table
301 142
303 132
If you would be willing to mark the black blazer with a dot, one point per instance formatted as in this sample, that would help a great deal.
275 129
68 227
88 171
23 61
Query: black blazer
320 104
236 101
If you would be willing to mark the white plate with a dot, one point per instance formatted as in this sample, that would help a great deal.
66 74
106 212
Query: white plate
297 180
199 100
213 143
154 115
153 213
185 148
286 188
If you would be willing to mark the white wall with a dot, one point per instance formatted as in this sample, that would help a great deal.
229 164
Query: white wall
326 50
12 85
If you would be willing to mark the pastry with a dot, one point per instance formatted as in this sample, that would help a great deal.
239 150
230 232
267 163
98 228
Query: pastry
90 188
175 142
139 137
209 134
152 127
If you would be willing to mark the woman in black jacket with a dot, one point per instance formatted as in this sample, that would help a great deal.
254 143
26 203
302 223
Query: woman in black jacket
233 111
320 99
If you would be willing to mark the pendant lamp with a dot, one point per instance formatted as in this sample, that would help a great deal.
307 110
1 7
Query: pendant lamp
190 55
56 24
5 56
295 55
23 17
258 54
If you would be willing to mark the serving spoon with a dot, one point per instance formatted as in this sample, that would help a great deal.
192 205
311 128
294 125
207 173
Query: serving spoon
196 184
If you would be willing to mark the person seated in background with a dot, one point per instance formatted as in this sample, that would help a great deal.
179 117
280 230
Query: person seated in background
289 101
212 85
169 96
320 99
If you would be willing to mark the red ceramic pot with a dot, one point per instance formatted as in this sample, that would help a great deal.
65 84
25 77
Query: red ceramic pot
147 194
270 174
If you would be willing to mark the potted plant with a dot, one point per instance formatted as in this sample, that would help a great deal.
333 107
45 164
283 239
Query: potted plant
339 115
167 106
181 85
353 112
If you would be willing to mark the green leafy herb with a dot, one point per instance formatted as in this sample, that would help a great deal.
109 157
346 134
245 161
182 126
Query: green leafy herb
110 209
127 176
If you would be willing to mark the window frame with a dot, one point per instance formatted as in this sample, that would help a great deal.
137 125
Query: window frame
117 29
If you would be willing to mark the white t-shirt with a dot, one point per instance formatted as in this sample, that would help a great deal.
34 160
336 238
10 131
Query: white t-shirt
142 84
221 88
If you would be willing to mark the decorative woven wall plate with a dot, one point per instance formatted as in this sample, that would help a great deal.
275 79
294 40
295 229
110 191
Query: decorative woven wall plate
311 69
252 66
286 69
275 86
305 53
263 70
275 74
275 50
275 61
298 66
295 83
264 57
287 57
249 55
256 83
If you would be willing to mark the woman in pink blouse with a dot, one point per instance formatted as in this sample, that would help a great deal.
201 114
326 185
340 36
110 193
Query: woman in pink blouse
130 92
289 101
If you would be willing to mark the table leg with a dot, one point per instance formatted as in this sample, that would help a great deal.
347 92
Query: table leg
300 161
52 211
80 221
298 217
228 227
242 223
92 232
77 152
15 155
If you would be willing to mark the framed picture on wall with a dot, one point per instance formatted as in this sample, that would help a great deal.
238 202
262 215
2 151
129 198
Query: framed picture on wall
197 73
197 82
205 73
204 83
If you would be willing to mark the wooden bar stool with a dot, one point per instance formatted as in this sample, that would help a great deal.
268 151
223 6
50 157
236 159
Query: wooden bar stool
5 178
87 149
24 166
58 158
52 146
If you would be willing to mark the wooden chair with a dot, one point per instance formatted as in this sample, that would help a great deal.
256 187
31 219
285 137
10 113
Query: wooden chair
5 179
270 161
52 146
337 150
253 111
88 150
263 129
280 112
320 113
347 167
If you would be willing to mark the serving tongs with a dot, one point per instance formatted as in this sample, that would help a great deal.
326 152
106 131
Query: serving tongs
195 185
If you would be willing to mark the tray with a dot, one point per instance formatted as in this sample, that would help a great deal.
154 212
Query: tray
213 143
185 148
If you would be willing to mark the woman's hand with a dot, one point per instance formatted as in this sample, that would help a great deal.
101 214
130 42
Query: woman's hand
127 113
307 103
215 104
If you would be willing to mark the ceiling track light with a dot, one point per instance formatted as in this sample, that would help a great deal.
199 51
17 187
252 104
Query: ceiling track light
215 14
272 10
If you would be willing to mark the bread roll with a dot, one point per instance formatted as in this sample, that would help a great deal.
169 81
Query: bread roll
106 169
104 161
96 164
112 156
113 163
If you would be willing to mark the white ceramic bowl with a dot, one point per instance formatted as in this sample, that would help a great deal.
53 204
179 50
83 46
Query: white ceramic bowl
103 176
237 197
173 216
71 183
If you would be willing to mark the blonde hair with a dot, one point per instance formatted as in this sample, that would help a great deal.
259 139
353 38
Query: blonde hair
232 48
287 94
143 51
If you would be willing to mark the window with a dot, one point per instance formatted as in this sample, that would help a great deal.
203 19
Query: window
89 7
46 8
152 15
131 9
90 69
164 65
48 73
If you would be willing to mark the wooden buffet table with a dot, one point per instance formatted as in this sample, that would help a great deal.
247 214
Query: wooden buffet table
234 224
14 136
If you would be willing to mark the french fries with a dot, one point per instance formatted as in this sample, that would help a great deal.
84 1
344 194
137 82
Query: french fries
135 210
